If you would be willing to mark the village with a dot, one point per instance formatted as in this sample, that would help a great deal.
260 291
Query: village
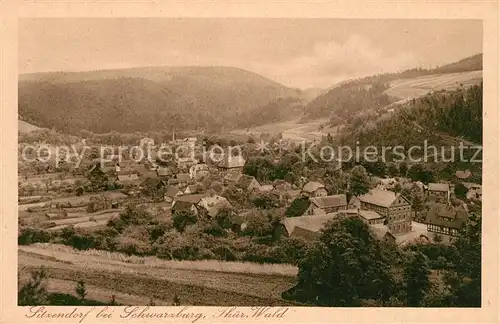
95 194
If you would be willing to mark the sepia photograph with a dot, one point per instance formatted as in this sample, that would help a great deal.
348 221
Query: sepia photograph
261 162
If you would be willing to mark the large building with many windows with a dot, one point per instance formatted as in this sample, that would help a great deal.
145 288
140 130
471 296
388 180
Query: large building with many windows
393 207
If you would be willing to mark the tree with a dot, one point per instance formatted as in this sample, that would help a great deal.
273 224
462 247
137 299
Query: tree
461 190
79 191
266 200
34 292
418 172
465 280
298 207
224 218
416 278
345 266
393 169
181 219
359 181
403 168
176 301
81 290
438 238
258 224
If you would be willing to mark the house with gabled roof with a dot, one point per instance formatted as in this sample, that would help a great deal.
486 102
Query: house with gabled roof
439 190
232 177
305 227
171 192
314 189
128 178
210 206
181 201
445 219
327 204
247 183
180 179
393 206
191 189
184 206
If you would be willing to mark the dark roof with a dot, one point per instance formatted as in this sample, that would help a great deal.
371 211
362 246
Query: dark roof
180 205
446 215
153 182
330 201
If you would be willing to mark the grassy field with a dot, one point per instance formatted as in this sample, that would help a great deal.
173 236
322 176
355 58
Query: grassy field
159 280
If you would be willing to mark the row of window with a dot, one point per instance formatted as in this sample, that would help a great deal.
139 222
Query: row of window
402 227
442 229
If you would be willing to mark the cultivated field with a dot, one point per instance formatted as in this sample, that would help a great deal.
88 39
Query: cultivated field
195 283
416 87
292 130
74 200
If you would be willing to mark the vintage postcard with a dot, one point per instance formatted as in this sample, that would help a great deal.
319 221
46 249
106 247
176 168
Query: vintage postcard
224 162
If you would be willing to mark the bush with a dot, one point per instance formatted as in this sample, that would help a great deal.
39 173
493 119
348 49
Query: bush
182 219
32 235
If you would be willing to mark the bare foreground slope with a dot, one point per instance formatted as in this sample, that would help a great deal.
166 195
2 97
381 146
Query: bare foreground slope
106 277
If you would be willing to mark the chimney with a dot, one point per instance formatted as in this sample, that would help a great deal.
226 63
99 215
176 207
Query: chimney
173 133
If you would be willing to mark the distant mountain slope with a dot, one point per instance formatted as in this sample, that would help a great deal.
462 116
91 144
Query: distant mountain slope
348 98
144 99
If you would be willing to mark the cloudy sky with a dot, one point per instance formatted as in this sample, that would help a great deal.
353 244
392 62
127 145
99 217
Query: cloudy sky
295 52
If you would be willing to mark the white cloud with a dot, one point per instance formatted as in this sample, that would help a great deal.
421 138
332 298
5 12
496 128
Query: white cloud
332 62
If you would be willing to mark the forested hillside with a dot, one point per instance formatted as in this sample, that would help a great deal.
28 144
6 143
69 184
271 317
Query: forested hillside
144 99
456 113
